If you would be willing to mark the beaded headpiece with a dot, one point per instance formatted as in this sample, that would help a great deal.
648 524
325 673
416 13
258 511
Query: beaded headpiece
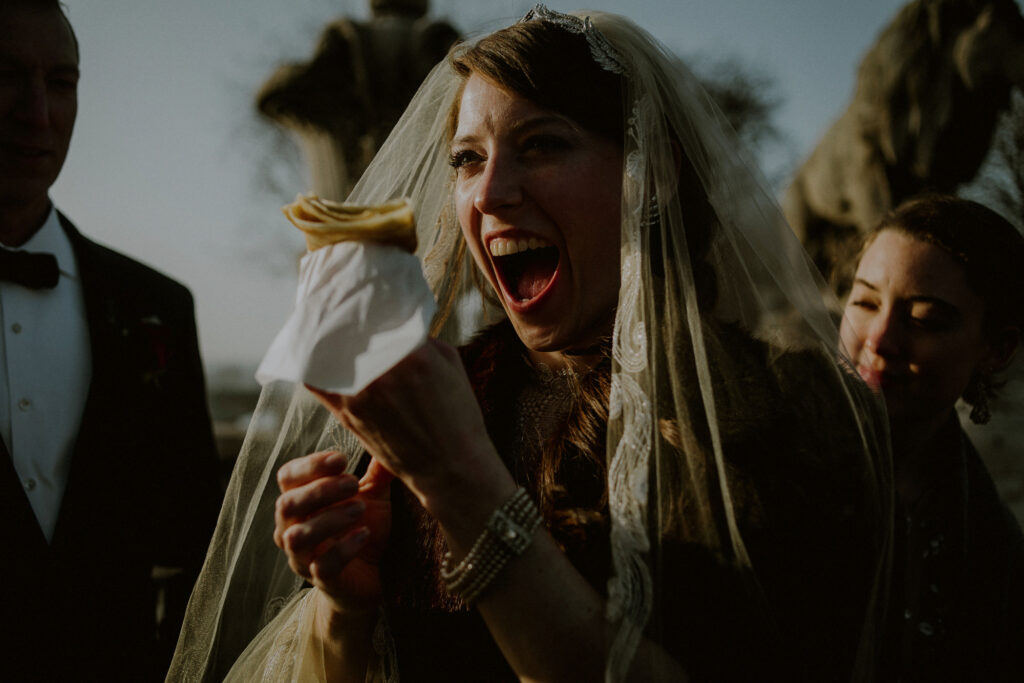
603 52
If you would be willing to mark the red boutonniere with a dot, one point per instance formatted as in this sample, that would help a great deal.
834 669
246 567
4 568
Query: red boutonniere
154 339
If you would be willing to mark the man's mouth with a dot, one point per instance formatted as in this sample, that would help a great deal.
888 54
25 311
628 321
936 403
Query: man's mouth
525 266
22 151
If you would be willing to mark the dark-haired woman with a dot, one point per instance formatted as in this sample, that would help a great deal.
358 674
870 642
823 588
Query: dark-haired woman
935 315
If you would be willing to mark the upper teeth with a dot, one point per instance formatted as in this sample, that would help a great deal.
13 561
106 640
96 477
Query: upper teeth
503 246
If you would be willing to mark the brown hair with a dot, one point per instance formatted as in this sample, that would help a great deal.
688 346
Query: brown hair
547 65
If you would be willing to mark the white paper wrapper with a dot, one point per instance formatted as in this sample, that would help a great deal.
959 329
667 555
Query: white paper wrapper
361 308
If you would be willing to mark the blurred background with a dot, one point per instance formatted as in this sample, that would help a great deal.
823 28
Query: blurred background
172 164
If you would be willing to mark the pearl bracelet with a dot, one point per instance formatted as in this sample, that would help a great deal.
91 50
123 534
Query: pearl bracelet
508 533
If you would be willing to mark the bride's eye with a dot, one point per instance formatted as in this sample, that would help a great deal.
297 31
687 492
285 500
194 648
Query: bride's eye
462 157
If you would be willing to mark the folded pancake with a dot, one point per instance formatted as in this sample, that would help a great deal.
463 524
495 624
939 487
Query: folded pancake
326 222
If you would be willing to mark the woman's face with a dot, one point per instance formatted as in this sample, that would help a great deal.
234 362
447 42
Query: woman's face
913 327
538 201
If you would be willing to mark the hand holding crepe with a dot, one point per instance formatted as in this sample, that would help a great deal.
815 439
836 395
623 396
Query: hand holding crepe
362 304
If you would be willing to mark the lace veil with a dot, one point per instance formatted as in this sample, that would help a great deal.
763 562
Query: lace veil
683 387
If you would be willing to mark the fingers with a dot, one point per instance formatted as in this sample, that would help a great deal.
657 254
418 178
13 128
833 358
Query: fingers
301 471
299 504
305 542
376 480
332 402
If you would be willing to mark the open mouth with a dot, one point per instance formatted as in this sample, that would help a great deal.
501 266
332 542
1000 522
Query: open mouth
525 266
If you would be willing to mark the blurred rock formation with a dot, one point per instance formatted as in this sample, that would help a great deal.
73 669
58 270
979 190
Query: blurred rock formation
928 98
344 100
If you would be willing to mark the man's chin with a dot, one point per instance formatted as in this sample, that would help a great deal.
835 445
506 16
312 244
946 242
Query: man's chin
22 191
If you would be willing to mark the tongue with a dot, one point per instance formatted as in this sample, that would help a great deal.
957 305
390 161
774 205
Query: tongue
534 278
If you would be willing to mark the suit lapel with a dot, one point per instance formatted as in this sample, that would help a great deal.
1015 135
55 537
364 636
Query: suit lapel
95 438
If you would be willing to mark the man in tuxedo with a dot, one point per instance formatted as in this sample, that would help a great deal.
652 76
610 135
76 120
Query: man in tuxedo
108 470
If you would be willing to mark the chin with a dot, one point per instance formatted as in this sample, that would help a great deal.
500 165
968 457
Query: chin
553 339
537 339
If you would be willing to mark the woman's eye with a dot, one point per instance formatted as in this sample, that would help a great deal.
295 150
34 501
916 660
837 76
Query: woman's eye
933 318
460 158
931 323
865 304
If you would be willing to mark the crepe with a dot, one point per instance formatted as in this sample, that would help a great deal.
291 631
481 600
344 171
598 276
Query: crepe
361 305
326 222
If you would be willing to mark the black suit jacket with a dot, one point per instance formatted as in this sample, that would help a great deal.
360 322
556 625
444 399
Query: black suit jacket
142 491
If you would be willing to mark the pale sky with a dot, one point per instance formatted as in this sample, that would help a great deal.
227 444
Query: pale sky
170 165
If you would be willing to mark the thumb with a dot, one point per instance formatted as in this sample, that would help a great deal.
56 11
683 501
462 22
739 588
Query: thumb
331 401
377 479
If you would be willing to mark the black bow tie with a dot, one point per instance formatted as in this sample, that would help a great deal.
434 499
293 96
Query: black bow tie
28 269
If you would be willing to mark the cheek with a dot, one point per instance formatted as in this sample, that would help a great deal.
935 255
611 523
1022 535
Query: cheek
63 114
597 263
850 337
951 362
465 215
462 198
471 233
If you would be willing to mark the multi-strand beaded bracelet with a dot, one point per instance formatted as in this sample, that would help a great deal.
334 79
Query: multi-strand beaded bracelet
508 533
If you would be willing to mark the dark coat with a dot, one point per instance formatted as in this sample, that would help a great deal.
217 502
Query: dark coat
957 610
142 492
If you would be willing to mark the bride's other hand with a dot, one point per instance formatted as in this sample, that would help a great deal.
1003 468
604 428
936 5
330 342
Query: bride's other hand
334 528
422 421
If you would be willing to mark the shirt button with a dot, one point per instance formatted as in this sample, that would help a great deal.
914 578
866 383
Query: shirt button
16 328
24 404
925 628
30 484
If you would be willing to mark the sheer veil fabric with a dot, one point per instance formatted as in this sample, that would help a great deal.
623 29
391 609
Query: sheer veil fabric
683 387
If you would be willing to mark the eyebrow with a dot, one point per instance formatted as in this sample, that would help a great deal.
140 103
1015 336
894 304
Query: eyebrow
861 281
522 126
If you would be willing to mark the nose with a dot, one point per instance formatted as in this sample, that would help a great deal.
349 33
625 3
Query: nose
500 185
33 105
884 335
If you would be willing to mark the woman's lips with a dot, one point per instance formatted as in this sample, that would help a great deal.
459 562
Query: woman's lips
878 379
872 378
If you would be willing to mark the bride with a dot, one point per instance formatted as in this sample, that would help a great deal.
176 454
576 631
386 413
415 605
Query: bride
649 465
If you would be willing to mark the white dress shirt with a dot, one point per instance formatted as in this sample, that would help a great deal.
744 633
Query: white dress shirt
45 368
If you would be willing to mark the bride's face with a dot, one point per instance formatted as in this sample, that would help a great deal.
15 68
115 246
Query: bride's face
538 200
